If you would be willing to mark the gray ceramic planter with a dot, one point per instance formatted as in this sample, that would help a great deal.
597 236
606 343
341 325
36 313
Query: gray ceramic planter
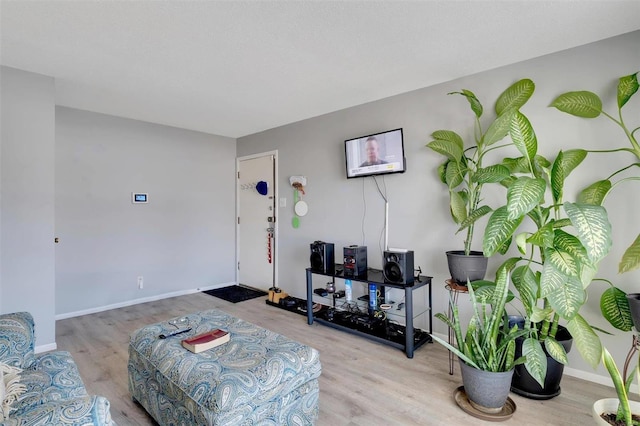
462 267
486 391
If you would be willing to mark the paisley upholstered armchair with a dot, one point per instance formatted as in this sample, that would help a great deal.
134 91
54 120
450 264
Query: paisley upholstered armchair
50 390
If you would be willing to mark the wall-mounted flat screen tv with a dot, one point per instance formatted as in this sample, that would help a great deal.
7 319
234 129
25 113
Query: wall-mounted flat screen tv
377 154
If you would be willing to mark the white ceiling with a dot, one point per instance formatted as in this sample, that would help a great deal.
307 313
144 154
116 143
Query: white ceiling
235 68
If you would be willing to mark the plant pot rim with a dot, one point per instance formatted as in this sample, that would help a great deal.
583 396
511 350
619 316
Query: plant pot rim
474 253
497 372
609 406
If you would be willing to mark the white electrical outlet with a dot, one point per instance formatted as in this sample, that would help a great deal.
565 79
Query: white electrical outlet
140 282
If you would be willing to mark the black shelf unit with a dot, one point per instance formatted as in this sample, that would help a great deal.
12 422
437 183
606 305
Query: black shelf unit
405 337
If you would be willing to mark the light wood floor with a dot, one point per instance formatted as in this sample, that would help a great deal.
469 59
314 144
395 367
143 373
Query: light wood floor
362 383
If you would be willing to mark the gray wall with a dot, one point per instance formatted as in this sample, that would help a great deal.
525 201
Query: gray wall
183 239
419 217
26 183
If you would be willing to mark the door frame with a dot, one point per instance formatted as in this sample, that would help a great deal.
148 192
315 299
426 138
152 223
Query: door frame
276 206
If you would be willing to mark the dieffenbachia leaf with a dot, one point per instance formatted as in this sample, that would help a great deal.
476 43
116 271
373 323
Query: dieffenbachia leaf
581 104
515 96
627 87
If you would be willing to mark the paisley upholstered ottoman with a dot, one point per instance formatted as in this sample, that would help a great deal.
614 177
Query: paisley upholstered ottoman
258 377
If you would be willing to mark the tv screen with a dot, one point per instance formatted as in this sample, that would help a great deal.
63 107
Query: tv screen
377 154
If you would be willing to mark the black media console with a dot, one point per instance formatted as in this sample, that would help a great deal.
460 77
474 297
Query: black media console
370 325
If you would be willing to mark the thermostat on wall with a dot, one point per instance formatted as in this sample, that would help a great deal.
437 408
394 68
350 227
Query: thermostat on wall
139 197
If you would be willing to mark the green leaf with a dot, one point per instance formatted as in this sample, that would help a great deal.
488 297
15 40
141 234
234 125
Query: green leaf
523 136
570 244
564 164
543 237
456 351
521 242
551 279
484 293
586 340
557 179
627 87
499 129
615 309
449 149
618 384
569 298
524 195
458 207
449 135
540 216
593 228
442 317
562 261
491 174
517 165
498 230
536 363
581 104
515 96
454 174
504 248
572 159
631 257
524 280
587 274
556 350
474 216
595 193
442 171
561 223
476 106
538 314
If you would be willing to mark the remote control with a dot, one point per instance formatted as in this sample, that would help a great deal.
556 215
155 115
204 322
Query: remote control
174 333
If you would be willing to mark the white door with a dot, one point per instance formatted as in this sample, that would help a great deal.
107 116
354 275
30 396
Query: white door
256 221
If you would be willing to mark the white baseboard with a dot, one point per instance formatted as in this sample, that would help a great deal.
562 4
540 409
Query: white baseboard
595 378
138 301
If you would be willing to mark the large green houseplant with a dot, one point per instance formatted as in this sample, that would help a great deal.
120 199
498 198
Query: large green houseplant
464 173
561 244
614 303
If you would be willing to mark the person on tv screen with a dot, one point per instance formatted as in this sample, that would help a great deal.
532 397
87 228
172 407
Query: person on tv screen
371 146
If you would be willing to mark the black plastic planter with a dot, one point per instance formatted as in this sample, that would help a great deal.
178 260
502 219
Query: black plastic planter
634 305
525 385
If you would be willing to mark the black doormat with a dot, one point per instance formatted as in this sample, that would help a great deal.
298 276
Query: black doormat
235 293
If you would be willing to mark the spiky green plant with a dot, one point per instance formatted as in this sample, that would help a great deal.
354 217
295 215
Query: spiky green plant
488 343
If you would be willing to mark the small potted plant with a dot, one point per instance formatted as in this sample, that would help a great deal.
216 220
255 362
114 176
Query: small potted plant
487 349
465 174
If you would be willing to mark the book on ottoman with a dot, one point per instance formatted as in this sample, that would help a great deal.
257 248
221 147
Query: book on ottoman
205 341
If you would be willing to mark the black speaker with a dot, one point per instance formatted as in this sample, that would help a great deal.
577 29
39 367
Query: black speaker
322 257
355 261
398 267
